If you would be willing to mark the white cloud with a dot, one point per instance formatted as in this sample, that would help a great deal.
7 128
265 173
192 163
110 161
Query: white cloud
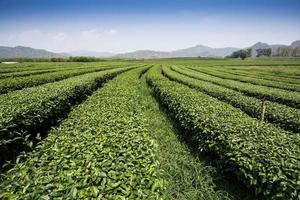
91 34
111 31
60 37
97 33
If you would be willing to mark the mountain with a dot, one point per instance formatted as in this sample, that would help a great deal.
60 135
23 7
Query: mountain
26 52
144 54
259 45
196 51
91 54
203 51
295 44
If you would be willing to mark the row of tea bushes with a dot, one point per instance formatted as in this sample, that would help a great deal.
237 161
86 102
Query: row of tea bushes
17 83
264 157
286 117
29 111
256 81
103 150
288 98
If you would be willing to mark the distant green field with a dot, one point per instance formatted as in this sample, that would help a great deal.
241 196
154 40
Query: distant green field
150 129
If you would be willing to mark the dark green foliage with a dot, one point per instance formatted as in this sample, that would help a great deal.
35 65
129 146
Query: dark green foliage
102 151
117 145
249 52
263 52
31 110
83 59
62 59
243 54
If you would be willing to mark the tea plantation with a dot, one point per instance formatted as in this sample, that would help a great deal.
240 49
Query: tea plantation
150 129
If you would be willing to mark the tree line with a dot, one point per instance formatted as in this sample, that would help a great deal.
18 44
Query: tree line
267 52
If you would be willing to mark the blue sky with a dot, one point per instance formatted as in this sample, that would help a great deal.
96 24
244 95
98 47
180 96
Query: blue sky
123 25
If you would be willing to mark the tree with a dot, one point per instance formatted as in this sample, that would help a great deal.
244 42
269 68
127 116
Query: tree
264 52
83 59
58 59
249 52
243 54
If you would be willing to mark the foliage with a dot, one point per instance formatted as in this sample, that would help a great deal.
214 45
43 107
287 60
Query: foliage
61 59
288 98
225 74
83 59
286 117
277 79
115 143
264 52
17 83
188 177
243 54
27 111
243 144
103 150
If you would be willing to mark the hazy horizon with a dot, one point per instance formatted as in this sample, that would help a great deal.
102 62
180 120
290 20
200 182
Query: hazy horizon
120 26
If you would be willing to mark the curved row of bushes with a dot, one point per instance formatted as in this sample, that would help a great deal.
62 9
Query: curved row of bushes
102 151
288 98
286 117
260 75
39 71
17 83
22 67
263 156
30 110
245 79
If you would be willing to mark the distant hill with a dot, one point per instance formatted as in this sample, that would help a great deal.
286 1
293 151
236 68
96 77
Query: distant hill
203 51
292 50
295 44
26 52
91 54
144 54
196 51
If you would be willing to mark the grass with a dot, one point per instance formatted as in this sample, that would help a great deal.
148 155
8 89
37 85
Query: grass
187 176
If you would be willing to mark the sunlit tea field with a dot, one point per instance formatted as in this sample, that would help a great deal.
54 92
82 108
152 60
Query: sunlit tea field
150 129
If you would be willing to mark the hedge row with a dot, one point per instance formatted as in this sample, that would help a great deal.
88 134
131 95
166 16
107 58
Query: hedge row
288 98
17 83
33 109
102 151
259 75
39 71
260 72
22 67
263 156
286 117
255 81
